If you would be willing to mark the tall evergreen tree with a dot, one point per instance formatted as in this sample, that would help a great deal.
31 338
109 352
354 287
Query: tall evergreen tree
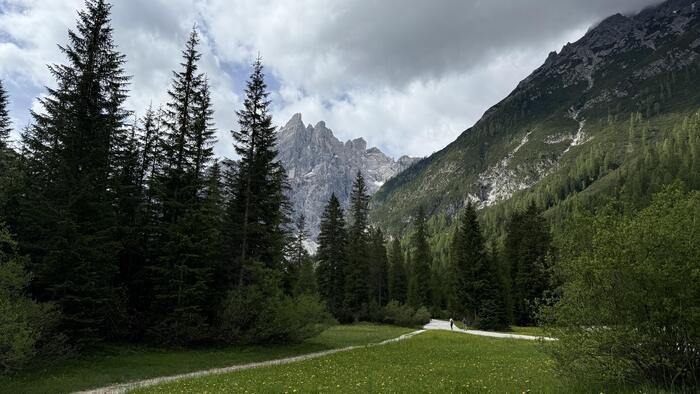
331 256
298 256
526 247
70 152
398 281
182 270
478 291
419 280
357 269
258 211
378 268
5 123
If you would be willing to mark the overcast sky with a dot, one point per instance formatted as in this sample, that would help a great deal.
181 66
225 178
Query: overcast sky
407 75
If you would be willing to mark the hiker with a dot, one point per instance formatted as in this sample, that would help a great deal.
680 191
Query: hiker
452 323
464 322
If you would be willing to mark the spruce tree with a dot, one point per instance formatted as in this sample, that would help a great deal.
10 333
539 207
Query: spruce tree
332 256
378 269
182 269
357 269
419 281
298 256
398 282
526 247
258 211
478 289
71 151
5 123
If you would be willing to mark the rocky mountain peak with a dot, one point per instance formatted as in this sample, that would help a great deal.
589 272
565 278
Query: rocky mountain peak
318 164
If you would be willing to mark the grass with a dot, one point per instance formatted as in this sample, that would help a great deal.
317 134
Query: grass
118 363
430 362
435 361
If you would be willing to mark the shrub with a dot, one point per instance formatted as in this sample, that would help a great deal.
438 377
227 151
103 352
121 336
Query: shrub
260 312
422 316
404 315
628 308
24 323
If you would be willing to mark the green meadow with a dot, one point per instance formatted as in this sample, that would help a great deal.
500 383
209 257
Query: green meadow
111 364
432 362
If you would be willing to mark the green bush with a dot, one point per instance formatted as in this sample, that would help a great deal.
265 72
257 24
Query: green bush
628 307
404 315
260 312
24 323
422 316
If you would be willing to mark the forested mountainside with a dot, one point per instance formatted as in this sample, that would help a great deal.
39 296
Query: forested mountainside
613 113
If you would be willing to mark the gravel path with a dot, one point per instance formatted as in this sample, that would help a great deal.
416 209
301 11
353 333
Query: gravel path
125 387
433 325
445 325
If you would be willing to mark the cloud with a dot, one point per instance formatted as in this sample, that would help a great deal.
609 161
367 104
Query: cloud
408 75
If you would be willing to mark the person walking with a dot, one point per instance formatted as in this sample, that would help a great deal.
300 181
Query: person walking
452 323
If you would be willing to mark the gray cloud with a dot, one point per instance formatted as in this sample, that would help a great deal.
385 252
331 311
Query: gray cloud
408 75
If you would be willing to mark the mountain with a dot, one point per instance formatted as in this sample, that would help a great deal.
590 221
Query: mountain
581 119
318 164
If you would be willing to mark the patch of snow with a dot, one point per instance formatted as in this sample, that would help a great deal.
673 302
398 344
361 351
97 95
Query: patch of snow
580 137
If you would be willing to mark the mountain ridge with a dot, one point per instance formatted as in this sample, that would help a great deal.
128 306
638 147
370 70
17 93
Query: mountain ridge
319 164
625 64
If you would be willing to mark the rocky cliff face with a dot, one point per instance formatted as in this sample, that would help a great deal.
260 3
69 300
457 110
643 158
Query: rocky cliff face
646 64
318 164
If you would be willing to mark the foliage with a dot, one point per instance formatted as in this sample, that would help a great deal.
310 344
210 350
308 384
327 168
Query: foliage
358 254
24 323
70 151
405 315
419 279
629 288
332 257
260 312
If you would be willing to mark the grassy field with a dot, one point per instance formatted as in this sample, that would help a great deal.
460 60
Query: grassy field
115 364
430 362
436 362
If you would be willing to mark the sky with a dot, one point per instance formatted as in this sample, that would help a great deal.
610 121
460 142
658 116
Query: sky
407 75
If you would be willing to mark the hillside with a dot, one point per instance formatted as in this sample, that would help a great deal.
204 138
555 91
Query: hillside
621 87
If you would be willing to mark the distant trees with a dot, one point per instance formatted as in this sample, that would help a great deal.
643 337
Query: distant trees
419 279
526 248
398 281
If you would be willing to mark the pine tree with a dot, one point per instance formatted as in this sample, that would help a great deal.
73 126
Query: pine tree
378 269
419 280
398 282
478 289
70 151
5 123
526 247
298 256
186 229
331 256
357 269
258 211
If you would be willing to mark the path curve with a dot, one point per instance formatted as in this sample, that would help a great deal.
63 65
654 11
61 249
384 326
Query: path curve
445 325
124 387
